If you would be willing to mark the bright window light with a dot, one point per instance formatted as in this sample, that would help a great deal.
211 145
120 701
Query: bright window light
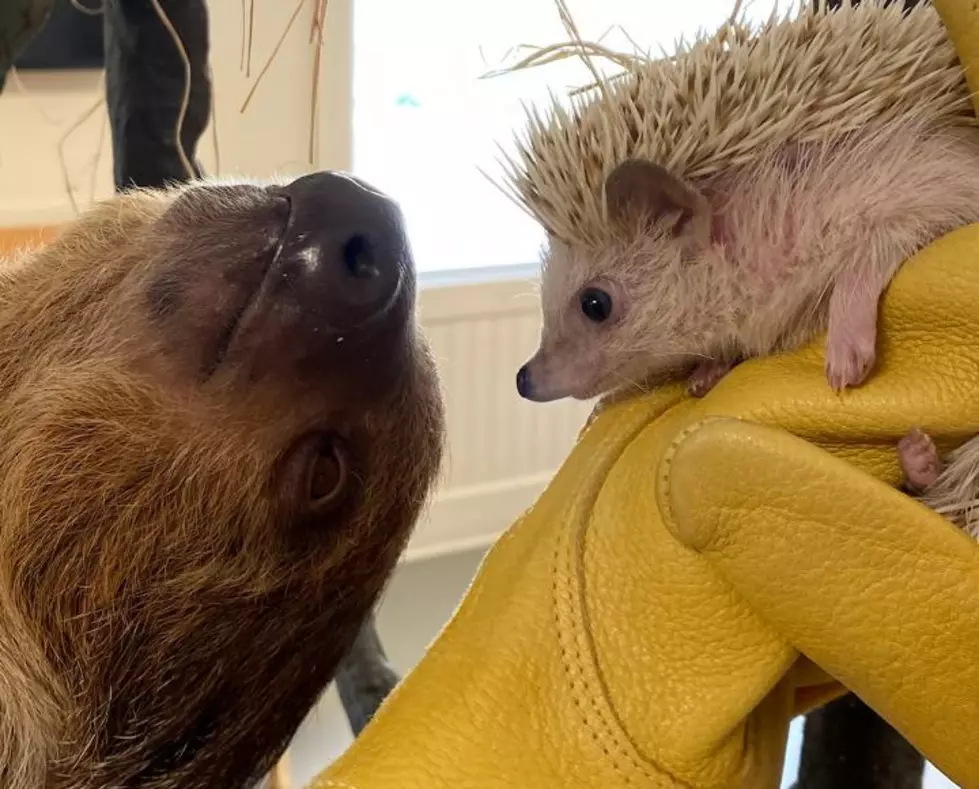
425 123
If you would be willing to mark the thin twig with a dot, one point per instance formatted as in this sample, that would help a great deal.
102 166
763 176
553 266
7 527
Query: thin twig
557 52
635 45
272 56
244 34
319 20
22 88
214 126
572 30
591 85
185 99
315 22
61 149
98 158
251 38
96 11
18 83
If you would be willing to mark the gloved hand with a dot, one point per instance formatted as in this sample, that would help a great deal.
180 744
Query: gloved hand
657 618
643 623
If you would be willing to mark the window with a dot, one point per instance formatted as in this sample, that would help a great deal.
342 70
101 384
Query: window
425 123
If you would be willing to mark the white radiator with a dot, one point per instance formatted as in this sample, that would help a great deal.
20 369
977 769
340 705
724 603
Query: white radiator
502 450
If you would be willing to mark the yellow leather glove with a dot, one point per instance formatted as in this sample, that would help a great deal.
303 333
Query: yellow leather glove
645 623
642 624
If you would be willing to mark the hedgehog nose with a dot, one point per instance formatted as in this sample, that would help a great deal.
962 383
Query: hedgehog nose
524 387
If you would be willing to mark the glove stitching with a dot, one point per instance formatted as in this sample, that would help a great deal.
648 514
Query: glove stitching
609 734
666 466
574 666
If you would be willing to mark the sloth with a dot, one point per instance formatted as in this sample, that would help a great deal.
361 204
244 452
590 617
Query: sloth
219 422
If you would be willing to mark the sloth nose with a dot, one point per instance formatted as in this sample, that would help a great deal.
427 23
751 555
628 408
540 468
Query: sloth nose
344 250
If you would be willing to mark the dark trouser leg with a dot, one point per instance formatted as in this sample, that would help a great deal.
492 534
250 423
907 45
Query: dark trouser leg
847 745
145 82
365 678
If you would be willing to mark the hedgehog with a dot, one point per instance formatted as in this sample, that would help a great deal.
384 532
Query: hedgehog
757 188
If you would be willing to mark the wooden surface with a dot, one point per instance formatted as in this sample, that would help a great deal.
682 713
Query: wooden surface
12 238
280 777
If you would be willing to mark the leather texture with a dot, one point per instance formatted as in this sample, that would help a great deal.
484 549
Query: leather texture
698 569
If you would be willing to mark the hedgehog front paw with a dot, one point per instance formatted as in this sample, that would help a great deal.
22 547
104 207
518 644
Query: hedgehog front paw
706 376
849 359
919 460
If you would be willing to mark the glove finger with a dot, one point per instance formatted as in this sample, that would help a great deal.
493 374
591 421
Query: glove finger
869 584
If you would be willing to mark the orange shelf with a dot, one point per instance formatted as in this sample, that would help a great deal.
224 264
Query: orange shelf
12 238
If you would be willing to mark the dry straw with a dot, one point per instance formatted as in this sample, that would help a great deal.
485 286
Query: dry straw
725 98
316 36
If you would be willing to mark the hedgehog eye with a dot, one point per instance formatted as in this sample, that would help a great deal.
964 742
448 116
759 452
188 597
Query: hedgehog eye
596 304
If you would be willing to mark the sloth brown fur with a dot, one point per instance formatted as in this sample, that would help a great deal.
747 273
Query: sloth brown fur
170 604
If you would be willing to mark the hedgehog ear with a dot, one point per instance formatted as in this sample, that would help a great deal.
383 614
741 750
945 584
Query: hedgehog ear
642 191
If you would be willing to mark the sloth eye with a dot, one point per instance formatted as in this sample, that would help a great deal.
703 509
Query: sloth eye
596 304
326 474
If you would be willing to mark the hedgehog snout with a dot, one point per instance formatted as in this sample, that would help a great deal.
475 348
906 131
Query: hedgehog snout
541 380
529 384
532 382
524 382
